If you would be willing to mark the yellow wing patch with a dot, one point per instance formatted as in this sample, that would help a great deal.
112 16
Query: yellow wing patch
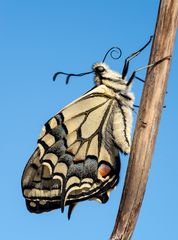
76 158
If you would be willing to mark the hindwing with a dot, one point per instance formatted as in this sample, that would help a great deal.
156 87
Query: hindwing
77 154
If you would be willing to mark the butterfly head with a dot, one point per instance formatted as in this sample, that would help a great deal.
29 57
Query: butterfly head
104 75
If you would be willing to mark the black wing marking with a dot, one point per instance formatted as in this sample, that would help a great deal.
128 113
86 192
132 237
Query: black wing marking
76 158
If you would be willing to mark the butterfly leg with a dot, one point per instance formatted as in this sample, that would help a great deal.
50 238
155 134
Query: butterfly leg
140 79
133 75
145 67
133 55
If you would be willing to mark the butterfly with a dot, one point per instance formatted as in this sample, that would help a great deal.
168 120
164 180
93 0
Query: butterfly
77 155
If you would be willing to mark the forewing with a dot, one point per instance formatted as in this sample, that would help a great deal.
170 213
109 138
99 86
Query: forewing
76 158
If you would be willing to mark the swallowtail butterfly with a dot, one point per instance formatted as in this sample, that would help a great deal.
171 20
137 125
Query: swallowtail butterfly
77 156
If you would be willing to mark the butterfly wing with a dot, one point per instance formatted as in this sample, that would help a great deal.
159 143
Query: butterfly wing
76 157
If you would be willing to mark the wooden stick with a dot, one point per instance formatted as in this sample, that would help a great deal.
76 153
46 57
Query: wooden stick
149 113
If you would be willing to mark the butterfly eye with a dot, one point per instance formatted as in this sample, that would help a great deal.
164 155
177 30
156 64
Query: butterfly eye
99 69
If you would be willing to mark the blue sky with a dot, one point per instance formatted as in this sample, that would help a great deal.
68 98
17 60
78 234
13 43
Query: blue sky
39 38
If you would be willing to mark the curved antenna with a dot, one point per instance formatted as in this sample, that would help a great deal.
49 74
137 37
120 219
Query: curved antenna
70 75
112 51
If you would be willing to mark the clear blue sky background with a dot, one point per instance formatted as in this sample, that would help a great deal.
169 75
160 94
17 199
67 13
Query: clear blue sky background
39 38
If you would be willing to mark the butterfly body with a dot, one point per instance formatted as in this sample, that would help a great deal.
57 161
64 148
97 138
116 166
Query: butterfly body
77 156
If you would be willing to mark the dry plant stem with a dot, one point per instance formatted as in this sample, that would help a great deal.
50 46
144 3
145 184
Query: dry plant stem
150 111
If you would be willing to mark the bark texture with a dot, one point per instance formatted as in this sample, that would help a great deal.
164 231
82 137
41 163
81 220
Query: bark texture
149 113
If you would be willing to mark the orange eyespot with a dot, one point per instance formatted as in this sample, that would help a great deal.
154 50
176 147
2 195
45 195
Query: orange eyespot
104 170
